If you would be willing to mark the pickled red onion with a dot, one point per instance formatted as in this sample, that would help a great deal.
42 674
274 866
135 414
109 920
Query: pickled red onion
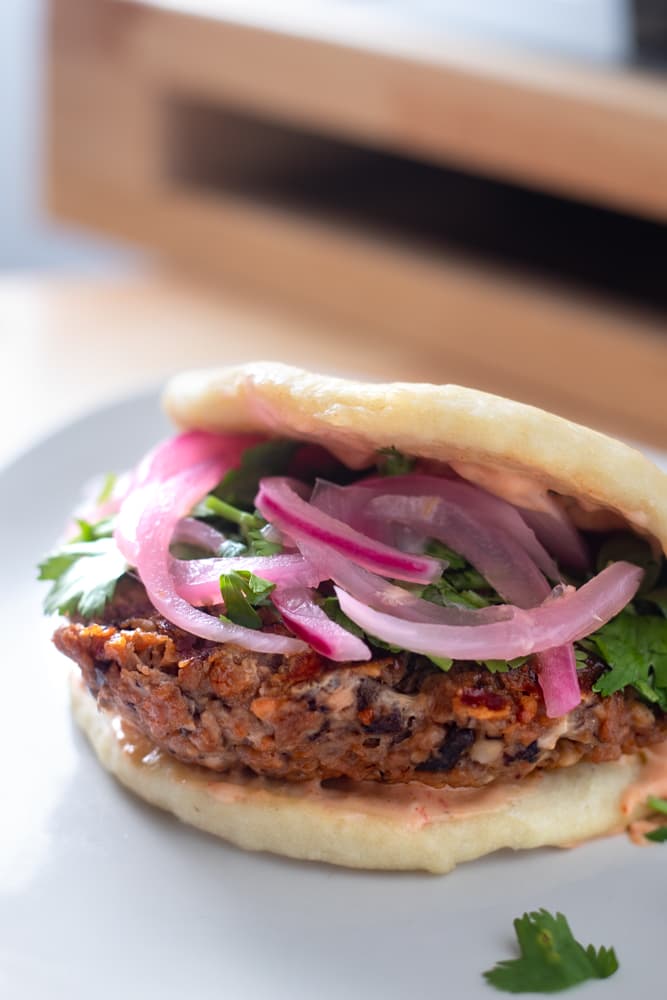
279 503
555 530
493 515
307 619
563 619
496 555
557 674
190 531
144 531
198 580
178 453
378 593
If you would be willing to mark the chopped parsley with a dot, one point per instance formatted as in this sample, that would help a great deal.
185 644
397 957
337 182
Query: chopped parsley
271 458
250 535
550 959
658 836
659 806
107 488
231 504
242 592
635 649
84 574
392 462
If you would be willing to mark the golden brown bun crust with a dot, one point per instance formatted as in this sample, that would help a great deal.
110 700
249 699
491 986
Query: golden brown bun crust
446 423
555 808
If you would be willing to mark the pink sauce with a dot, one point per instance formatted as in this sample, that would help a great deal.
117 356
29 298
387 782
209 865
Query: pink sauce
412 804
651 781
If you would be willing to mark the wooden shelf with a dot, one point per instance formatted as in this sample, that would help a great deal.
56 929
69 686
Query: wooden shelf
120 70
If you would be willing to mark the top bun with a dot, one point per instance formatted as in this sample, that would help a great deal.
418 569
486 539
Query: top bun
446 423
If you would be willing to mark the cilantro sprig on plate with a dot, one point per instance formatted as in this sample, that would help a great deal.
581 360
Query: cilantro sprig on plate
551 959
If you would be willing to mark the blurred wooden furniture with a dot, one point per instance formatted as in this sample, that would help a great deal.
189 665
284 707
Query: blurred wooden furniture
235 149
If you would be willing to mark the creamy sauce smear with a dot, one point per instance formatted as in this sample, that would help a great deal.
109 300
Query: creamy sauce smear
412 804
652 781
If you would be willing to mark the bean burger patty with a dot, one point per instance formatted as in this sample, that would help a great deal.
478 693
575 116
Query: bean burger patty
397 718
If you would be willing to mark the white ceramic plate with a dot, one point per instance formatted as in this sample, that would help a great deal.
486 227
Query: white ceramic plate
102 897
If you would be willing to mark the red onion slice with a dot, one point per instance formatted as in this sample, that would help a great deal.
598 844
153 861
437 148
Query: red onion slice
307 619
384 596
281 505
190 531
556 531
493 529
497 556
184 450
557 674
146 526
198 580
562 620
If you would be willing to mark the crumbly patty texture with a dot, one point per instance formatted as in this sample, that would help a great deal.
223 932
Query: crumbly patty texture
397 718
357 829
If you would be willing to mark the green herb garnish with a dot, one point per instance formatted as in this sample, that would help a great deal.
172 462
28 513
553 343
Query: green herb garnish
110 481
271 458
90 531
84 574
658 836
441 551
242 592
392 462
551 959
213 506
251 538
657 805
635 649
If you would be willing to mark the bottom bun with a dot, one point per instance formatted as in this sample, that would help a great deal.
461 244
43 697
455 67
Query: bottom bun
366 825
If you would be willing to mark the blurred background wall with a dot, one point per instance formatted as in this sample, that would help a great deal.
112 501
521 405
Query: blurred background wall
409 189
28 237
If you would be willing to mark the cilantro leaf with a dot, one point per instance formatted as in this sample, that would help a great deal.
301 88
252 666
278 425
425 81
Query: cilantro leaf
333 610
84 575
502 666
551 959
253 540
260 545
658 836
392 462
444 662
242 592
231 548
271 458
635 649
107 488
441 551
213 506
657 805
90 531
